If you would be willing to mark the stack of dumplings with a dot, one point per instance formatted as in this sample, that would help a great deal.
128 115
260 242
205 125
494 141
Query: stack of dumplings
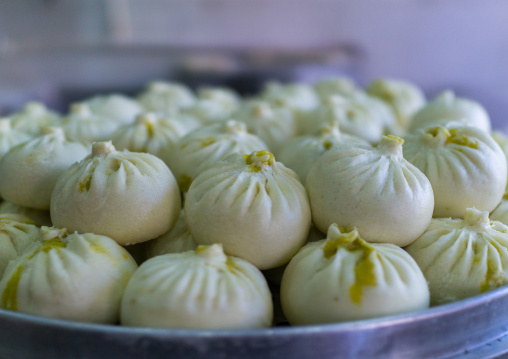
343 202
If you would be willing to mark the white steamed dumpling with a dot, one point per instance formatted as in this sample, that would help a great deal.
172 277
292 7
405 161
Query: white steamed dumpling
256 207
298 97
114 107
10 137
465 166
33 118
78 277
500 213
461 258
150 133
228 98
83 125
333 86
300 153
275 125
178 239
202 289
344 278
380 110
354 116
128 196
274 275
31 169
17 233
167 97
39 216
502 140
404 98
214 104
447 108
372 188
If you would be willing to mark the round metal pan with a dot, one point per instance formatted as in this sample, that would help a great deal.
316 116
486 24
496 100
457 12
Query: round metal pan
439 332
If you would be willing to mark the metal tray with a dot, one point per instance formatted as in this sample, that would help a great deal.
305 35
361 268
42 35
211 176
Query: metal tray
472 328
447 331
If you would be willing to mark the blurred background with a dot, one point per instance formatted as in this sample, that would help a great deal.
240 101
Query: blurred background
61 51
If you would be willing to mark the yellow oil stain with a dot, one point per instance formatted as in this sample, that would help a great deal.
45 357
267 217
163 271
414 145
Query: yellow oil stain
149 129
10 294
207 141
327 145
85 185
256 160
494 278
48 245
457 139
364 276
184 182
364 267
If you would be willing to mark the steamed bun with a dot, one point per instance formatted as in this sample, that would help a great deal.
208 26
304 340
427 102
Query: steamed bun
128 196
255 206
461 258
372 188
344 278
31 169
78 277
202 289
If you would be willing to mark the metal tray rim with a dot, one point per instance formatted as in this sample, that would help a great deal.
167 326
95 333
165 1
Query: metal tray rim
366 324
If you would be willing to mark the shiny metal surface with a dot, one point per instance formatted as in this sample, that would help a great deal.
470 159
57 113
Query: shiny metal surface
495 349
440 332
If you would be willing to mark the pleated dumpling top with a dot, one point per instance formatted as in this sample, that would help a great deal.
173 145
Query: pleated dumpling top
83 125
201 148
333 86
167 97
404 98
357 115
448 108
301 152
116 107
151 133
10 137
275 125
213 104
33 118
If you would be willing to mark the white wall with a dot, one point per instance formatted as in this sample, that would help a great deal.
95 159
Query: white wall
462 44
